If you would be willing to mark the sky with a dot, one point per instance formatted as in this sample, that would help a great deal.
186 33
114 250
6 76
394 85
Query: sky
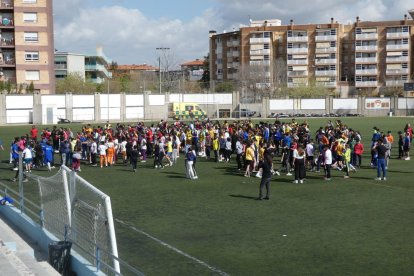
130 30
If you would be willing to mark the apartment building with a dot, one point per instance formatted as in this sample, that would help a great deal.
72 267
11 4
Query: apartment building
362 56
69 63
26 44
93 68
193 70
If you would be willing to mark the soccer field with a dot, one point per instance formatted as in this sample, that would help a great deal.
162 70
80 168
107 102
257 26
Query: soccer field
169 225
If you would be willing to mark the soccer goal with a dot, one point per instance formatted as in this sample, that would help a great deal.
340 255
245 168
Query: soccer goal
75 210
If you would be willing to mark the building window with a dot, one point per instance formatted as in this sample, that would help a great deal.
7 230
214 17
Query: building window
30 17
31 36
31 56
32 75
29 1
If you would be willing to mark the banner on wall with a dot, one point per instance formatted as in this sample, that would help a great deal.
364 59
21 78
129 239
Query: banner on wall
378 103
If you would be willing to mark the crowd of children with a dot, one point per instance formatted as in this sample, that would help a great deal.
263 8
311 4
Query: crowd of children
300 149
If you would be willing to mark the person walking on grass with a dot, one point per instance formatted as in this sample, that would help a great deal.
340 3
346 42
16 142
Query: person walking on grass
266 167
358 151
190 158
249 159
327 162
407 146
102 154
299 164
347 160
381 152
134 158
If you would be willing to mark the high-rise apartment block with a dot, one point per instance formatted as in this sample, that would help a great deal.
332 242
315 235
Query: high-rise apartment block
26 44
362 56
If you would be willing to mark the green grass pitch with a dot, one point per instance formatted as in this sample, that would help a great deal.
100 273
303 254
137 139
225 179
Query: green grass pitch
354 226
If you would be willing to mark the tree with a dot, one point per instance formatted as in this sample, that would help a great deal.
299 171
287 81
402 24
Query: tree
311 90
20 91
225 86
30 88
169 70
205 79
75 83
256 78
8 86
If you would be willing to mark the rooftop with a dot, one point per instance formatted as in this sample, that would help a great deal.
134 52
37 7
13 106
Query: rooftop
136 67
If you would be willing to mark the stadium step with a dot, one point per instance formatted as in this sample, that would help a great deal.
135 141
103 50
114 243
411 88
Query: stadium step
20 257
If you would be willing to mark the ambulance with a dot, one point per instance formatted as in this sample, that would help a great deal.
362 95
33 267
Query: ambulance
179 111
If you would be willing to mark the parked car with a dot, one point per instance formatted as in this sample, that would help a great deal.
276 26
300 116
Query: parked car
244 112
278 115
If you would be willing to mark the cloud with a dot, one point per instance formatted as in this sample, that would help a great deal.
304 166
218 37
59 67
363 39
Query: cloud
129 36
316 11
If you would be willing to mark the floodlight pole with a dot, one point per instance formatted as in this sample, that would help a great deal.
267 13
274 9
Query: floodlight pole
159 63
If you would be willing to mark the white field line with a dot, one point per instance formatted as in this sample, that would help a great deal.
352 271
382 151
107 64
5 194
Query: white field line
212 268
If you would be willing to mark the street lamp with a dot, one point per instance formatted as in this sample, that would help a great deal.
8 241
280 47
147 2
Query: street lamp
159 61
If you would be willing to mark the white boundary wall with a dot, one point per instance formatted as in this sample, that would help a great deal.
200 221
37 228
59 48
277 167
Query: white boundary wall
19 109
281 104
16 109
345 104
134 106
313 104
83 107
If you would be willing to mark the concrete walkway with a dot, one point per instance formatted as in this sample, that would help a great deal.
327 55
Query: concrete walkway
20 256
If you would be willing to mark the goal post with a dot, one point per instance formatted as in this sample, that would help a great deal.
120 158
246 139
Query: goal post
70 202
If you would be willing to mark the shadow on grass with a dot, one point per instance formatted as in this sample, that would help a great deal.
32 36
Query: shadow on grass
243 196
393 171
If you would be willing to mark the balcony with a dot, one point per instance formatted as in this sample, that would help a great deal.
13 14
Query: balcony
367 48
402 71
321 38
296 84
7 22
6 5
322 61
61 66
261 40
97 68
325 50
398 35
393 47
369 72
397 59
235 54
331 84
297 62
395 83
235 65
368 36
8 62
366 60
297 50
366 83
260 62
233 43
297 73
325 73
219 51
7 42
297 39
260 52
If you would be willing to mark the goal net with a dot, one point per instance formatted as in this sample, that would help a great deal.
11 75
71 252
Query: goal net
74 209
